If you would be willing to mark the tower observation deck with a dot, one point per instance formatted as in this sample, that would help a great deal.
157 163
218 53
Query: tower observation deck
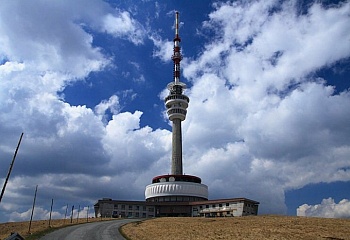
176 187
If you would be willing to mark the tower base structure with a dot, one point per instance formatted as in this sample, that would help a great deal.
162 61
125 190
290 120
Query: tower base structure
176 188
230 207
171 193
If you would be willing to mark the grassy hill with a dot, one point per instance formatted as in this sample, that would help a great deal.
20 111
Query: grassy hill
254 227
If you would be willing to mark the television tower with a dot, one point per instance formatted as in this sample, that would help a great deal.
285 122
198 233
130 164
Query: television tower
176 103
176 187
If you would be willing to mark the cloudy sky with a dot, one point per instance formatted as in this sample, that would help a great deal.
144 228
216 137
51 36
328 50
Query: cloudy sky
269 113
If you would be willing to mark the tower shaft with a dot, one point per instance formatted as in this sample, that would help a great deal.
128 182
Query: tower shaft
176 162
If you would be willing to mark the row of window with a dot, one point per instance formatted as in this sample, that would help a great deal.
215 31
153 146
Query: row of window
183 97
131 214
175 199
250 205
133 207
214 205
177 110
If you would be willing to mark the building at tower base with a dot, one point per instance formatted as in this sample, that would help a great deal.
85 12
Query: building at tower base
231 207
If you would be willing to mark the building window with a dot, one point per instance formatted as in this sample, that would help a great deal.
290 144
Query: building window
130 207
206 206
123 206
220 205
115 206
137 207
151 209
213 205
227 204
144 208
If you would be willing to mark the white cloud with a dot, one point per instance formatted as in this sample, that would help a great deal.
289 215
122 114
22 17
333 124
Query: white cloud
163 48
43 44
39 213
252 87
43 214
9 67
122 25
327 209
112 104
45 47
124 135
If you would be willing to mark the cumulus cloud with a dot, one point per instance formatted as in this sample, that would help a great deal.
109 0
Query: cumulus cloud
163 48
43 214
112 104
328 209
253 87
45 48
123 25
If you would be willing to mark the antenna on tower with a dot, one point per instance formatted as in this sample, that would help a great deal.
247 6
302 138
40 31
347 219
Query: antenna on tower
177 24
177 57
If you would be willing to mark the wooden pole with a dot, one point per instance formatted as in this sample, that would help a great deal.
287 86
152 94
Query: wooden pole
78 214
31 217
50 212
71 216
65 215
87 214
10 170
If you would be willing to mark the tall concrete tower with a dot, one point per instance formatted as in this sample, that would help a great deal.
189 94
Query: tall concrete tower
176 103
172 189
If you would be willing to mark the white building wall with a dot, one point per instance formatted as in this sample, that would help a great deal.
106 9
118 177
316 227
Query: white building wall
224 209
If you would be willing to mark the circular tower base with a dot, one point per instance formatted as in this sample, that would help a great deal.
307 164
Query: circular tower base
176 188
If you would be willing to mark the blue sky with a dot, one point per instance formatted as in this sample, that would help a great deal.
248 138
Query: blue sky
269 113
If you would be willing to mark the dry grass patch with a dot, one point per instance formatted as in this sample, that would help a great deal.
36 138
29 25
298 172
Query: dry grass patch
38 226
254 227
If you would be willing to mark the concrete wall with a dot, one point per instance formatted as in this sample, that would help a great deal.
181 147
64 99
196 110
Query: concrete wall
122 209
225 209
139 209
